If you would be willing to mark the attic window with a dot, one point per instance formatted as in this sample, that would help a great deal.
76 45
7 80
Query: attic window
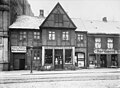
58 18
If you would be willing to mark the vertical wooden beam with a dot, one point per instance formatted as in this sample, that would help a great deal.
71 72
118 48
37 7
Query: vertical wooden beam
43 55
53 53
98 60
108 60
73 55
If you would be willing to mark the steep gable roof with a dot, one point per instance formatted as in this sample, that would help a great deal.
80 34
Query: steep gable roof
50 20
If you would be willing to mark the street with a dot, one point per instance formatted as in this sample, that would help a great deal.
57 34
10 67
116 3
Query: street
83 78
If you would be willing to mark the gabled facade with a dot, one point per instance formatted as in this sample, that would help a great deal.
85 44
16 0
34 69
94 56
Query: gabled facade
58 44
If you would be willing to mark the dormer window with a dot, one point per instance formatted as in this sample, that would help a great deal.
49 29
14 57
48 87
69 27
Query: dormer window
58 18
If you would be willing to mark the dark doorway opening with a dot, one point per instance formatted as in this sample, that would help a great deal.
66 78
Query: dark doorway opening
114 60
19 61
58 59
103 61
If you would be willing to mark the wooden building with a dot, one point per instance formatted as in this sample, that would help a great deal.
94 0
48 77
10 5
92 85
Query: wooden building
58 39
25 43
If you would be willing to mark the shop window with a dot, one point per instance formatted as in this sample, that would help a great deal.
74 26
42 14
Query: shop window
65 35
110 43
36 55
36 35
22 36
97 42
51 35
58 18
80 37
68 57
48 56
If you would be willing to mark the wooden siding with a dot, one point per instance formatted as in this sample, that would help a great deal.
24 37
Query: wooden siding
29 41
58 38
91 41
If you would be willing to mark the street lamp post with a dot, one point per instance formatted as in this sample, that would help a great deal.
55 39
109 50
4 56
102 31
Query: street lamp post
31 59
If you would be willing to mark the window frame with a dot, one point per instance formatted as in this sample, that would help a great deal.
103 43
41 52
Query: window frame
36 35
98 44
51 35
80 37
109 43
58 18
22 35
65 36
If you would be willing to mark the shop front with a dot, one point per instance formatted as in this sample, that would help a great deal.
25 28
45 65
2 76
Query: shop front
58 57
104 58
18 55
80 57
22 58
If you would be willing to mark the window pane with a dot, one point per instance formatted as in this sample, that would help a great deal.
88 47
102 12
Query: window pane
68 58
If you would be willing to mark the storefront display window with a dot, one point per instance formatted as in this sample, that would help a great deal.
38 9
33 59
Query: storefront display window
48 56
68 58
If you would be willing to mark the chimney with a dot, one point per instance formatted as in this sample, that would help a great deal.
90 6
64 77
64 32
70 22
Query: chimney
104 19
41 13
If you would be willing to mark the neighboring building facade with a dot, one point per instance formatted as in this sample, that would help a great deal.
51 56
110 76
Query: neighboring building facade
104 50
25 43
9 10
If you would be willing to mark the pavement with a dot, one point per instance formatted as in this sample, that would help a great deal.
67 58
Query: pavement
82 78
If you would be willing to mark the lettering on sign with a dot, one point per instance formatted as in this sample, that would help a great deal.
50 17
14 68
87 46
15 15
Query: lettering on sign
106 51
18 48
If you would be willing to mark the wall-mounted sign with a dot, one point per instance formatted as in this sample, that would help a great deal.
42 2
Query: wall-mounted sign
106 51
18 49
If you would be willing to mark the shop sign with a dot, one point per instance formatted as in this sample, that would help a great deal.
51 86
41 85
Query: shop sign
106 51
18 49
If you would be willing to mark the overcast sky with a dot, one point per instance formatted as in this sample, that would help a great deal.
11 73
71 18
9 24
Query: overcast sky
85 9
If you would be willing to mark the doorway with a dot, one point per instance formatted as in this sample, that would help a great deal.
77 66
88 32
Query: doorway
103 61
19 61
58 59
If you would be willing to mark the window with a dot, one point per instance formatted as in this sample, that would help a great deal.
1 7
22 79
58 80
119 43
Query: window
36 54
48 56
51 35
80 37
68 58
109 43
97 42
65 35
36 35
22 35
58 18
